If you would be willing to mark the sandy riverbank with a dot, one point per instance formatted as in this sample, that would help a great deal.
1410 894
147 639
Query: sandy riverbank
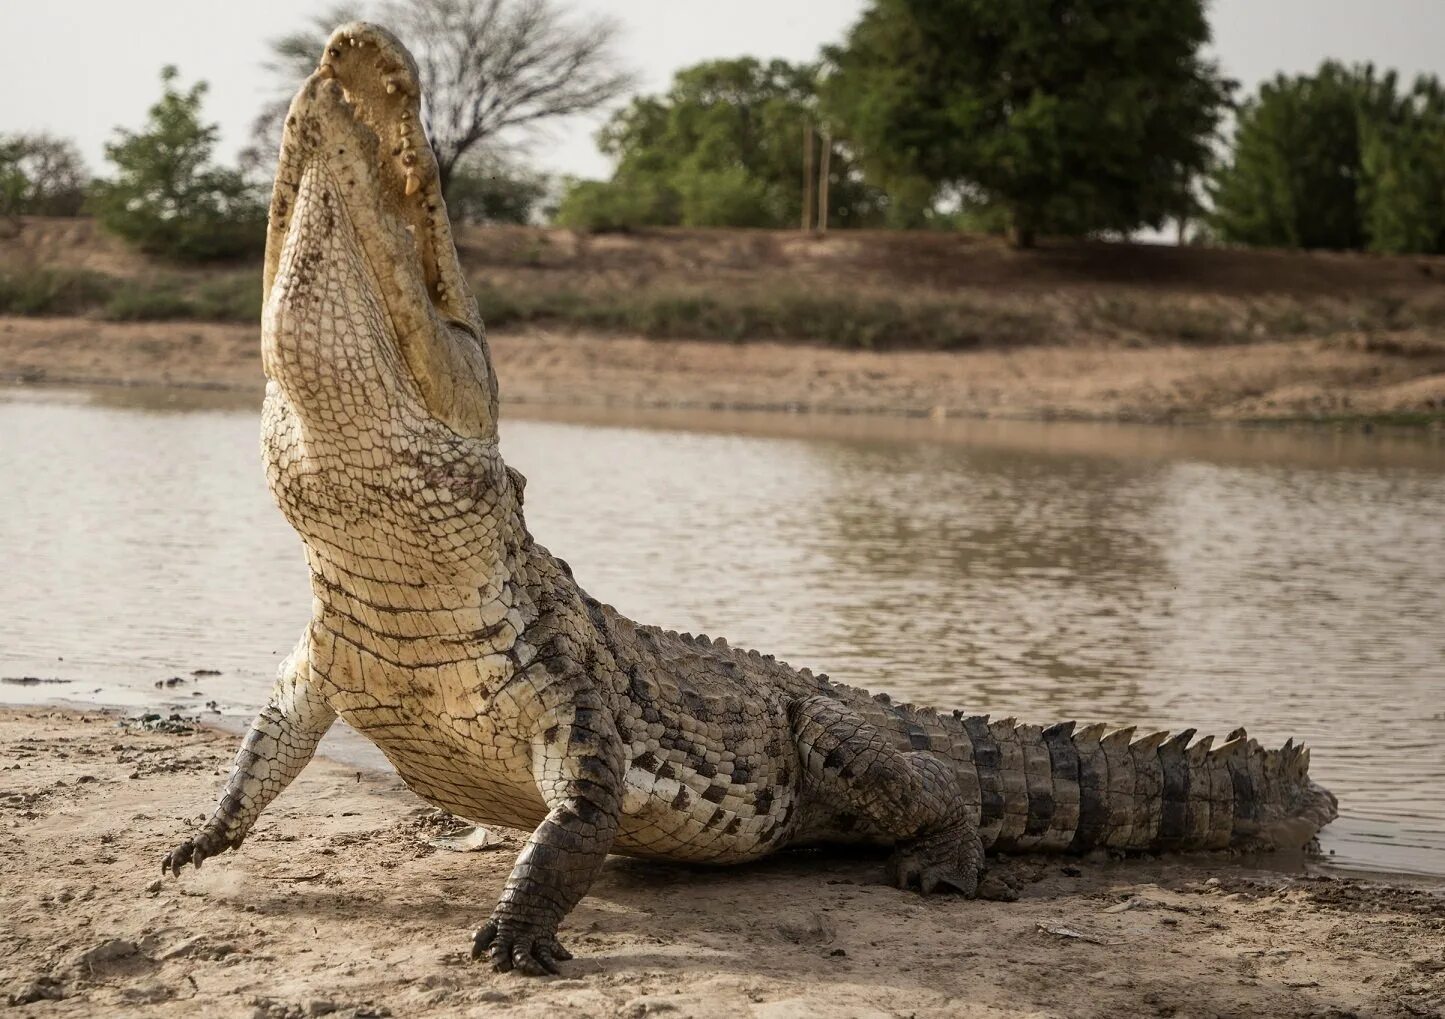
335 905
1287 380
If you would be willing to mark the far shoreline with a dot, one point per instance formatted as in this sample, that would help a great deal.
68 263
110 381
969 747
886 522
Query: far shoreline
1298 383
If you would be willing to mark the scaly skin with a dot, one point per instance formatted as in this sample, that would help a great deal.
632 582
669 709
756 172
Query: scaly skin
502 693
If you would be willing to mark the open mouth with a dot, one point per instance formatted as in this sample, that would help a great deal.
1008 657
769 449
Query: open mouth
355 129
359 114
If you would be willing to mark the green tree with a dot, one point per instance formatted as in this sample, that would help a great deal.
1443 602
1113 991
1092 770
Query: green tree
609 205
1069 116
40 175
14 185
1294 176
167 198
724 147
1340 159
490 189
1402 173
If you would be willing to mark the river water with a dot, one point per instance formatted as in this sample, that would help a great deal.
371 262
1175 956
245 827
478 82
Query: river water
1168 577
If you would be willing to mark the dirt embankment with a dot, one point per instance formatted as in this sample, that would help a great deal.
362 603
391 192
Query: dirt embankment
1294 380
1088 331
335 905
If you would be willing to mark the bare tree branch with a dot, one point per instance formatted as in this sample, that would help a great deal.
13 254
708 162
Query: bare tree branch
487 67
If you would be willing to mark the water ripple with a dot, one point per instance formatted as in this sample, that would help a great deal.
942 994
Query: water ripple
1119 575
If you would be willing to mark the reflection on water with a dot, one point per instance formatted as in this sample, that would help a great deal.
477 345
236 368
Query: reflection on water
1167 577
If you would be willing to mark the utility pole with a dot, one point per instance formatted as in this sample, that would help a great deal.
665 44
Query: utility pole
823 182
808 177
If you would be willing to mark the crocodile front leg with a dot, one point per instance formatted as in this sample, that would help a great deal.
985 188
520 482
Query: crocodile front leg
281 741
577 764
912 798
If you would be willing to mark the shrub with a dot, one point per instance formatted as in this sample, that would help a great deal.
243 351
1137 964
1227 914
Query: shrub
52 291
166 199
134 302
40 175
603 205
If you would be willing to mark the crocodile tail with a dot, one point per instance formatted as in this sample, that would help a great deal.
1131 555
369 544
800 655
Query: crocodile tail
1065 788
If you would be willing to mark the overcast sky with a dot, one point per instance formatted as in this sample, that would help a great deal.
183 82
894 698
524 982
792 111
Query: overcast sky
81 68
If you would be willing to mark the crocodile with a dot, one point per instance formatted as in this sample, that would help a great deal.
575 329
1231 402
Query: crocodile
502 693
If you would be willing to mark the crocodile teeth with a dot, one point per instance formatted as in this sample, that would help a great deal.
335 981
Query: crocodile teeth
413 183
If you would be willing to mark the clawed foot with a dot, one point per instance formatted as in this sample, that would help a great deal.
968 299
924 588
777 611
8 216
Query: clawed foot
913 869
195 851
508 948
999 887
949 860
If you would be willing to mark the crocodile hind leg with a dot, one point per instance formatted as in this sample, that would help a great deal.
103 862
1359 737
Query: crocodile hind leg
911 798
279 744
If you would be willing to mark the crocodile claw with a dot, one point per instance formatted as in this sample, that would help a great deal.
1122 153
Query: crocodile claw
195 851
912 868
518 950
186 852
999 887
946 860
971 883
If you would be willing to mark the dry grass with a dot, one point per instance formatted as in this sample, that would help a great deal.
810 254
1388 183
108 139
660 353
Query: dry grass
160 297
851 290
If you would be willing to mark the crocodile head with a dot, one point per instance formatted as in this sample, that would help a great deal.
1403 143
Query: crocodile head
381 401
359 245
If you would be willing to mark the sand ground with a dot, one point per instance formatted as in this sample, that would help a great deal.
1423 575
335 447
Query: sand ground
1307 378
335 905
